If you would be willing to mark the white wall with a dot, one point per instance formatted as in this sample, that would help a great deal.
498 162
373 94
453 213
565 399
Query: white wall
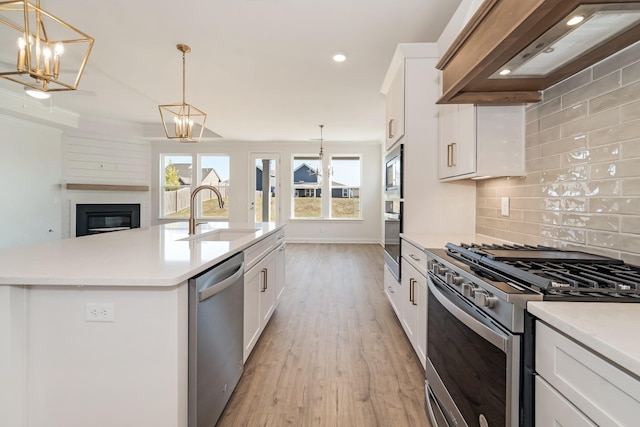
30 178
367 230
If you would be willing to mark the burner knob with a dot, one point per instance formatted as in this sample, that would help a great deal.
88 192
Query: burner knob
439 269
468 290
484 299
452 278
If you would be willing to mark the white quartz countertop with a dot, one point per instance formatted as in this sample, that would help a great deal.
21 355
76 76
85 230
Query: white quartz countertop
426 241
150 256
610 329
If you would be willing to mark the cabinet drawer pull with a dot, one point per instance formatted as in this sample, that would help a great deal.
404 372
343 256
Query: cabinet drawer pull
391 291
264 280
390 128
412 291
415 257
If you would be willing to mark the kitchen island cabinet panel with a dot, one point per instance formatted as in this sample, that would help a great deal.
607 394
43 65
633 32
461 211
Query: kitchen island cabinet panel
263 286
130 372
60 367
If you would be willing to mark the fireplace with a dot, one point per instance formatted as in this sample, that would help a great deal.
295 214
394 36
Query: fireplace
106 218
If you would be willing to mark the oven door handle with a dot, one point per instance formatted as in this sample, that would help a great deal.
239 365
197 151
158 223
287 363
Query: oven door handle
494 336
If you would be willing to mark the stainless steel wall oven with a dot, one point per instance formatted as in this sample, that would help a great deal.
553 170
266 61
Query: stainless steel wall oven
393 209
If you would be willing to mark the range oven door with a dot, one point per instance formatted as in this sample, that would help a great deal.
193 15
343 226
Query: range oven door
473 364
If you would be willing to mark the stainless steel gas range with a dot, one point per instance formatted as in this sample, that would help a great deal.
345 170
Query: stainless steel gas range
480 339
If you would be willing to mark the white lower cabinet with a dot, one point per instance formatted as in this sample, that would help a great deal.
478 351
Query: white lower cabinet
263 286
414 289
409 297
279 276
577 385
392 289
552 409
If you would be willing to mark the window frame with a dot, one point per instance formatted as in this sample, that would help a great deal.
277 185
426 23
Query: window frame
196 180
325 187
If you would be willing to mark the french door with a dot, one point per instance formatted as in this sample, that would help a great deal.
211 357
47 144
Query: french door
264 188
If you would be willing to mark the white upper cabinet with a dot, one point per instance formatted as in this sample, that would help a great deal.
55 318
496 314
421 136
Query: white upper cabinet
394 105
480 141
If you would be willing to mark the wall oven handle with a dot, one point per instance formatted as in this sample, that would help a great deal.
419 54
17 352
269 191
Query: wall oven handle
493 336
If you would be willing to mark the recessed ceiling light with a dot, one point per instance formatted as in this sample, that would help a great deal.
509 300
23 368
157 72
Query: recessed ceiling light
38 94
575 20
505 72
339 57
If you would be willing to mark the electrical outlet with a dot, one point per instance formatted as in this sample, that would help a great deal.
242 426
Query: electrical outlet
100 312
505 206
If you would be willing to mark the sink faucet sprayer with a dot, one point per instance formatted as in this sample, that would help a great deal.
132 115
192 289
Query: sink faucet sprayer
192 205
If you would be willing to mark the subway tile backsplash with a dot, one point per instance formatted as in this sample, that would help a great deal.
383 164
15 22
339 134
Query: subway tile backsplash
582 188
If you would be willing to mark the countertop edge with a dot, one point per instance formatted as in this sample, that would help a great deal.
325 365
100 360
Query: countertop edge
143 281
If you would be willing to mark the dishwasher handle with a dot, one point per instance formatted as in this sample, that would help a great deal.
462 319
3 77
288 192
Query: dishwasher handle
211 289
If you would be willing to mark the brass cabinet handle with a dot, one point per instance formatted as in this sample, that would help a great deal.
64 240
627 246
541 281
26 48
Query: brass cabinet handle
412 291
390 128
264 279
451 155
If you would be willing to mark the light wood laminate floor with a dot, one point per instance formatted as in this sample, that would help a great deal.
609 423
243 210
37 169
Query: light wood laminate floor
334 353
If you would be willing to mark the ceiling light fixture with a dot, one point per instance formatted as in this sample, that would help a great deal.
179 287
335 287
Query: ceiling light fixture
575 20
51 54
505 72
321 139
182 122
339 57
37 94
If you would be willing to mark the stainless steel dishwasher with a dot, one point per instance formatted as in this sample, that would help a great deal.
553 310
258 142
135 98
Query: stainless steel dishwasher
216 300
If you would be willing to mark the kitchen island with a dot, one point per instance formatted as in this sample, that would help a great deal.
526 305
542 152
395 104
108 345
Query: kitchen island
60 367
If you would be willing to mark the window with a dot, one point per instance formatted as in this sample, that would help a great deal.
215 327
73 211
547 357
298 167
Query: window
215 172
342 184
345 186
181 176
307 187
178 175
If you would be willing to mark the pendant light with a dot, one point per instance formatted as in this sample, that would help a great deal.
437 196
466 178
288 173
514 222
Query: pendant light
182 122
51 55
321 153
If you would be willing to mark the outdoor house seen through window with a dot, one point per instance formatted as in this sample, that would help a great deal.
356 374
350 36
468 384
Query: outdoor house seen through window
314 178
182 175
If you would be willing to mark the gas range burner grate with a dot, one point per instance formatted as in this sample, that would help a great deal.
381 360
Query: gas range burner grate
557 273
572 277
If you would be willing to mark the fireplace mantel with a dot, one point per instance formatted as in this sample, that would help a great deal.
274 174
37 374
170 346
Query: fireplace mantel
107 187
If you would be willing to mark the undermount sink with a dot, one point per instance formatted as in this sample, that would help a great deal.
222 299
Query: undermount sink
223 234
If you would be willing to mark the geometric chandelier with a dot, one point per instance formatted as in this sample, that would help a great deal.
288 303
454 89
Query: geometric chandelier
39 50
182 122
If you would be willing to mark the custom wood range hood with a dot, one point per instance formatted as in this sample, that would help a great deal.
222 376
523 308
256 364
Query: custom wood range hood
532 40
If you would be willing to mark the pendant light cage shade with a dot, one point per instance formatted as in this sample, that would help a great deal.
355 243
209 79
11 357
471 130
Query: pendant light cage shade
39 50
183 122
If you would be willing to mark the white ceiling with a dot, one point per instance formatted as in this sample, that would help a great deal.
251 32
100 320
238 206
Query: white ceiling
260 69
